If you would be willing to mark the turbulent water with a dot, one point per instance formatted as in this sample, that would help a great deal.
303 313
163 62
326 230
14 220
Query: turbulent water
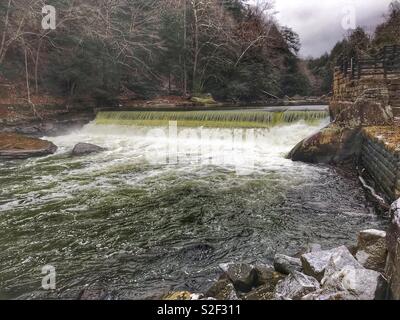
163 207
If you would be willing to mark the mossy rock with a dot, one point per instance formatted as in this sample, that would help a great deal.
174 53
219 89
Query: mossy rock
332 145
203 100
16 146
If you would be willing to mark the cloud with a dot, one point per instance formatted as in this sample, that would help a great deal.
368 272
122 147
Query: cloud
319 22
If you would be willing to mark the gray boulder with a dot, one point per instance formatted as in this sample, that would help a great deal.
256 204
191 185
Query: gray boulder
82 149
372 249
286 265
362 284
326 295
243 276
340 259
314 263
296 286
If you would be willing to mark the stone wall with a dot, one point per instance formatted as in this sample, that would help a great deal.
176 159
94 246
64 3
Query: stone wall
378 88
381 162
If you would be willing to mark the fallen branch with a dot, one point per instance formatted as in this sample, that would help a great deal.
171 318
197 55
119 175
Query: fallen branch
381 201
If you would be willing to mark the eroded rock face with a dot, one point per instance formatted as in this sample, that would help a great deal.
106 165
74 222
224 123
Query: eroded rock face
296 286
331 145
365 112
82 149
286 265
372 249
15 146
315 263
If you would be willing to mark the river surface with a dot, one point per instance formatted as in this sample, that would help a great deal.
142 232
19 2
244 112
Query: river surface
163 207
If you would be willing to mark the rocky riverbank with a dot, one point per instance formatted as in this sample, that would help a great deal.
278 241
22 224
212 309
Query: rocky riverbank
357 273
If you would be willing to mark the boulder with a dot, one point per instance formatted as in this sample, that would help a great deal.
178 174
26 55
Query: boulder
315 263
181 295
82 149
332 145
372 249
362 284
364 112
296 286
16 146
267 276
223 289
260 293
286 265
340 259
325 295
243 276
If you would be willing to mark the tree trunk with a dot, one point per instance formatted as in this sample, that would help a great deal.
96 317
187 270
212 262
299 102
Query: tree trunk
184 47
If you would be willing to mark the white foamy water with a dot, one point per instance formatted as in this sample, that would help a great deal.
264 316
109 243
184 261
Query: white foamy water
163 207
242 150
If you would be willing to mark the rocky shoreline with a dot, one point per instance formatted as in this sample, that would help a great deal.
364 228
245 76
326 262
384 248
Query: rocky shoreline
334 274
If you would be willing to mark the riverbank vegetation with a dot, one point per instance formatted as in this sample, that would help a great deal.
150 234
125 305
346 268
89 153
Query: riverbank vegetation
144 48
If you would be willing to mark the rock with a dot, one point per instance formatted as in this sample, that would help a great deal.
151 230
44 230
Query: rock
313 247
181 295
314 263
82 149
340 259
326 295
393 244
296 286
267 276
372 249
243 276
332 145
363 284
223 289
286 265
261 293
15 146
364 112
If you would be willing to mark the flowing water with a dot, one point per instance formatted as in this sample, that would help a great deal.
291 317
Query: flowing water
164 206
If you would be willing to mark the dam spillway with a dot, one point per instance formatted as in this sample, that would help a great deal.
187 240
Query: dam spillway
256 118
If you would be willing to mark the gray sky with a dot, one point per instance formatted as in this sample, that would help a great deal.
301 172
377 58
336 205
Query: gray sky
319 22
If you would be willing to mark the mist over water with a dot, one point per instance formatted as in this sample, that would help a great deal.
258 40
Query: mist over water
157 212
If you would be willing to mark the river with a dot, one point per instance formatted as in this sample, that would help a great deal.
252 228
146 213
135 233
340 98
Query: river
163 207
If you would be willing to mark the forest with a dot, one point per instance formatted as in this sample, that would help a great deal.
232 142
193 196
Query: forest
104 49
357 43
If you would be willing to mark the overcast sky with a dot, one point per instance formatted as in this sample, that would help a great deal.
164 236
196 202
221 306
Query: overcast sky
319 22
